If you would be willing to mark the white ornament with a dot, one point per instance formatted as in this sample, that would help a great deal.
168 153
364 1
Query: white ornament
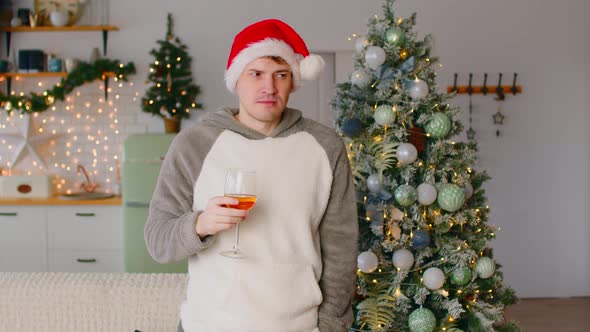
433 278
360 44
426 193
485 267
30 141
403 259
397 214
360 78
418 89
374 183
407 153
468 190
374 57
367 262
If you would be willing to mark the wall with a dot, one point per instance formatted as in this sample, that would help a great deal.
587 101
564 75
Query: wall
539 193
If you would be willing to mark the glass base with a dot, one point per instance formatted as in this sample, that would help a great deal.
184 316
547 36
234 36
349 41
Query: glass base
234 253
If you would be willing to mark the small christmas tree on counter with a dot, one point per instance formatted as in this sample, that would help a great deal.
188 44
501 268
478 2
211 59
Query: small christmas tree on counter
172 93
425 264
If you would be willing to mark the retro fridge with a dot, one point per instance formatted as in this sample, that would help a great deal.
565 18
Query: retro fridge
142 158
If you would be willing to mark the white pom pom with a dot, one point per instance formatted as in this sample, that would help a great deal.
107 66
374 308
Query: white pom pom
311 66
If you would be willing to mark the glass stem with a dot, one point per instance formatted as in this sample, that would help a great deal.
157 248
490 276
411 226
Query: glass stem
236 246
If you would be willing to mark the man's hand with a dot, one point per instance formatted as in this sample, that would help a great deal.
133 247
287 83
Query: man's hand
218 217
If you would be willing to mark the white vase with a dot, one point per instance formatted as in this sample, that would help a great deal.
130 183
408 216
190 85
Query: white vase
59 18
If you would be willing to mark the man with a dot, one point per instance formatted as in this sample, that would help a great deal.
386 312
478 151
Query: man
300 239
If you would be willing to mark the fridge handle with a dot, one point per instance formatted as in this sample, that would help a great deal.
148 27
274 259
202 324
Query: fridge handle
136 204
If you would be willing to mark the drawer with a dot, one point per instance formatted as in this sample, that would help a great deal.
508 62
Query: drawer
85 228
85 261
22 228
23 260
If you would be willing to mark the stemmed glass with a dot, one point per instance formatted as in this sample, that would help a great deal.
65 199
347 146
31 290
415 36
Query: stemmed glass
240 184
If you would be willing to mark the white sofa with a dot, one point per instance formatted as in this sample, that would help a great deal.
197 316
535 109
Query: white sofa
113 302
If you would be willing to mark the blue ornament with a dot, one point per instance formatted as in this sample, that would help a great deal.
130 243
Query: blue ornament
352 127
421 239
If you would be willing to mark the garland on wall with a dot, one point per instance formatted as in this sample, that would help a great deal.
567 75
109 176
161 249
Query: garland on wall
84 73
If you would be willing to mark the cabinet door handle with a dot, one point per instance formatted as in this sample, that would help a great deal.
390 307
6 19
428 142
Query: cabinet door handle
80 214
8 214
86 260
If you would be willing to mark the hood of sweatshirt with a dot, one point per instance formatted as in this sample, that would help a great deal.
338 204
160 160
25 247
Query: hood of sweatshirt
225 118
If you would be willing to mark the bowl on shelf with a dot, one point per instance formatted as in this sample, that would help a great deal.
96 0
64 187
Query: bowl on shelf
85 196
59 18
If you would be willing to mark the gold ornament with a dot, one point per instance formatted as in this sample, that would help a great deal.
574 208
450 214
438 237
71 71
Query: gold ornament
403 54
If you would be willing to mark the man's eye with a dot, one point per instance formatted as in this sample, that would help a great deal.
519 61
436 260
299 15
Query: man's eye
254 74
281 75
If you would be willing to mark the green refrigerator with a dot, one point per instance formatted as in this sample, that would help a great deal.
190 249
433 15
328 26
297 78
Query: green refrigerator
142 158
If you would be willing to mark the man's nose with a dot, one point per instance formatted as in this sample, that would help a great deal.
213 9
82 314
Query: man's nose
269 85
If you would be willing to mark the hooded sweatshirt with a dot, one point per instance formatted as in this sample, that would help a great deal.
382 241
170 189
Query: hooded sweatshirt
300 238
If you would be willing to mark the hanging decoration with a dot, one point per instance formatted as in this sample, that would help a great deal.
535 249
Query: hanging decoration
84 73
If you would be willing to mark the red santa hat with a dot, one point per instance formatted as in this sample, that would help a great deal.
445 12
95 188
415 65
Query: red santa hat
271 38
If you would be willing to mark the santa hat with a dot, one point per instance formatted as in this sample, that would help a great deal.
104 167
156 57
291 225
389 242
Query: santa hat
271 38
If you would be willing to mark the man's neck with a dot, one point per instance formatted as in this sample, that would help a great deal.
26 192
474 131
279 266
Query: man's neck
264 128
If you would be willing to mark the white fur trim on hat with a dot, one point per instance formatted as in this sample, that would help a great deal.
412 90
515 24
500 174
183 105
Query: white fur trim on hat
311 66
266 47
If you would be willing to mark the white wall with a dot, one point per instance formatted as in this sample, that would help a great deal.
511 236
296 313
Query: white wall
540 191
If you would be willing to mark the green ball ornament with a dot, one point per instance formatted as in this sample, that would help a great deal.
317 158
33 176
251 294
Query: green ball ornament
438 126
451 197
422 320
384 115
406 195
461 276
485 267
395 36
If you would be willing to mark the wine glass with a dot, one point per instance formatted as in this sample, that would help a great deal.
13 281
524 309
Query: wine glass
241 185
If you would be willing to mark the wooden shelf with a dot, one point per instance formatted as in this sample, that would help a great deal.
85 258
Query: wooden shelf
58 29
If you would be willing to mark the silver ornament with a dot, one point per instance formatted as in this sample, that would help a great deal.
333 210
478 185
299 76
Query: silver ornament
433 278
418 89
407 153
422 320
384 115
367 261
403 259
485 267
360 78
426 193
374 183
374 57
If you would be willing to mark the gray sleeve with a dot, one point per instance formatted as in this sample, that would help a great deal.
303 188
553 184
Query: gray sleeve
339 245
170 232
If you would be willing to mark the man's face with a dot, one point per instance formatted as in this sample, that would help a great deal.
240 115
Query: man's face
263 89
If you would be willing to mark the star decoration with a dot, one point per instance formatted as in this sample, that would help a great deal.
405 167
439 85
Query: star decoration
31 139
499 118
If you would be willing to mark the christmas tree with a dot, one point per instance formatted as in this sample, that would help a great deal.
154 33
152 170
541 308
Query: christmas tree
172 92
425 264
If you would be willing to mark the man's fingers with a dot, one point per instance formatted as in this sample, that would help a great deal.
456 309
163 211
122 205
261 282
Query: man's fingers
223 201
229 220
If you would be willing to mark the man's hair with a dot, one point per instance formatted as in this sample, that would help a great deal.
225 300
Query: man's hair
276 59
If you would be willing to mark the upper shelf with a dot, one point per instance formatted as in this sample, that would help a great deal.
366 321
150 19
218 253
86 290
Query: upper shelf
104 28
56 29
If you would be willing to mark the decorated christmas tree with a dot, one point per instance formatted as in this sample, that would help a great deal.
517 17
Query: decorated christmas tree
172 93
425 264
